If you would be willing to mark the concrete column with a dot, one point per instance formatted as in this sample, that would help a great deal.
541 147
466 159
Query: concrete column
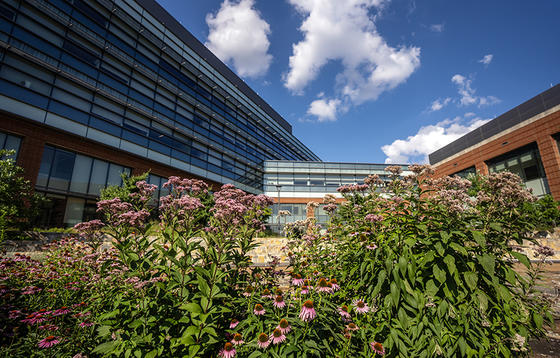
550 157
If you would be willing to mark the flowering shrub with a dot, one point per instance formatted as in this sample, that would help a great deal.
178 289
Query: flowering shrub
46 306
436 261
414 267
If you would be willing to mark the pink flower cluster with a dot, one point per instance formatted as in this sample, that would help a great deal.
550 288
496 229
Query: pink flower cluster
351 188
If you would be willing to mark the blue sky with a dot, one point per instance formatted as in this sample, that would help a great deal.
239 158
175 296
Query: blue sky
382 80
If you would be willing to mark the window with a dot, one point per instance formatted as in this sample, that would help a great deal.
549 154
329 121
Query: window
10 142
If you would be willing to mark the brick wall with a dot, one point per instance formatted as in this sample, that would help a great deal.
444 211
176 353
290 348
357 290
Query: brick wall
539 131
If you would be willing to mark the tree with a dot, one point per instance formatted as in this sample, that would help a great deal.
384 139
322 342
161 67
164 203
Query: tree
19 204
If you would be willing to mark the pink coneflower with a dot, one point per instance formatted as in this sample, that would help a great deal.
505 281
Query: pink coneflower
259 310
284 326
278 292
228 351
377 348
248 291
351 326
14 314
344 312
266 293
297 280
263 341
237 339
322 286
307 311
307 283
371 247
86 324
278 336
360 306
48 342
279 302
334 284
62 310
49 327
233 323
304 290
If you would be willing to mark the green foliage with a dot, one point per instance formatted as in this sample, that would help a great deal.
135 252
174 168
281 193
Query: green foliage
19 205
437 262
123 191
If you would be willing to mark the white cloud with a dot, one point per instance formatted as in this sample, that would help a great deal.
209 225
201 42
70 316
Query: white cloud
468 94
486 59
344 31
239 34
439 104
429 139
437 27
324 110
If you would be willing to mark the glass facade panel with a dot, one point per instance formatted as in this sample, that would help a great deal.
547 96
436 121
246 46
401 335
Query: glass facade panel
61 170
98 176
156 77
80 176
10 142
526 163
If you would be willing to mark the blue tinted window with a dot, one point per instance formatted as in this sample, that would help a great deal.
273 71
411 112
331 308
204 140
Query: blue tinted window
61 171
23 94
80 52
159 147
46 163
181 156
68 112
78 65
92 13
36 42
104 126
141 98
135 138
121 45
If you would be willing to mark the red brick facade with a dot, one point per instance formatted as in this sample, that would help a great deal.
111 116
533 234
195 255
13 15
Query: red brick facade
538 131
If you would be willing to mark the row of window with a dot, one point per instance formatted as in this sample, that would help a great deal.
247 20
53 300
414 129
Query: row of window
63 171
108 72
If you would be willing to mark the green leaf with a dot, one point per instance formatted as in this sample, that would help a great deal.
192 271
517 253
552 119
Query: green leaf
471 278
151 354
479 238
106 347
450 262
521 258
439 248
439 274
444 236
538 320
191 307
488 262
458 248
431 288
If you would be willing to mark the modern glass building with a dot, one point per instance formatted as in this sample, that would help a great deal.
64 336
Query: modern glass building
95 88
293 184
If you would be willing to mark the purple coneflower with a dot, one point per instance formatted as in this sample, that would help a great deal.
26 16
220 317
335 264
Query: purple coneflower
351 326
86 324
344 312
259 310
263 341
233 323
62 310
248 291
334 284
371 247
284 326
237 339
304 290
307 311
297 280
278 336
267 294
49 342
322 285
279 302
228 351
278 292
49 327
360 306
377 348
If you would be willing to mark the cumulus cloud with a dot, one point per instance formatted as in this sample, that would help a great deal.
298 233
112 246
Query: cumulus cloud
344 31
486 59
468 94
429 139
439 104
324 109
437 27
239 34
